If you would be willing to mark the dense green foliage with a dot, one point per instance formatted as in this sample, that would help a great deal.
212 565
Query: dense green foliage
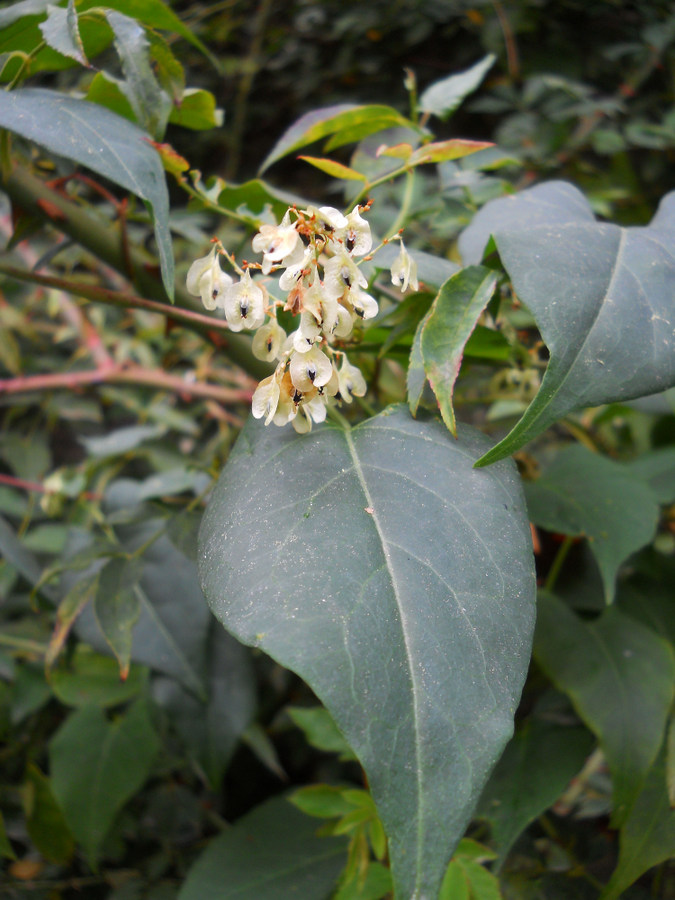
380 716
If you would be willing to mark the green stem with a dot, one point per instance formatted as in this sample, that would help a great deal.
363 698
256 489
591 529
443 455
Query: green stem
405 205
557 563
337 416
367 188
23 644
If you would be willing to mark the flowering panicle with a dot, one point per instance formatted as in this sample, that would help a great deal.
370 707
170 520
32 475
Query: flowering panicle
325 288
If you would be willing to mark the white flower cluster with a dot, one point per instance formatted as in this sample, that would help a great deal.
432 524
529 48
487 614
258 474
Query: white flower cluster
317 248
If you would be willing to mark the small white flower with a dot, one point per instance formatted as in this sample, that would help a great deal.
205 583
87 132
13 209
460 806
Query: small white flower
356 235
352 383
341 273
293 273
344 324
267 341
404 271
310 370
307 334
276 242
207 280
364 305
312 408
266 399
244 305
328 219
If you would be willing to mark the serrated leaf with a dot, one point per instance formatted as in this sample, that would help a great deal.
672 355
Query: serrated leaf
113 761
150 103
443 97
534 770
429 625
344 117
648 835
583 493
334 169
102 141
272 853
620 677
602 296
448 326
61 32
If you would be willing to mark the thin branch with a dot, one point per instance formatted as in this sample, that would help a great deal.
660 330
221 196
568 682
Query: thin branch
135 375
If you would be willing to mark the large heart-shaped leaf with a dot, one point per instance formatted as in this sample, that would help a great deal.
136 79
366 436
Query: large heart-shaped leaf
603 297
97 138
397 580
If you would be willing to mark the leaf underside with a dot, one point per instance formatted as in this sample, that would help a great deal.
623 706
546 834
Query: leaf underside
397 580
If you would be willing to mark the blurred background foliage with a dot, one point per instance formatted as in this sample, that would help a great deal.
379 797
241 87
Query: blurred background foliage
102 485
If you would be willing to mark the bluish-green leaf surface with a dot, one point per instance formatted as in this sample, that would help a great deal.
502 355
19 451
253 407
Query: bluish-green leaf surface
272 853
104 142
398 581
583 493
603 297
620 678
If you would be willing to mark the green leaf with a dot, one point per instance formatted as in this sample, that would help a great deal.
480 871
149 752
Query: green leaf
602 297
75 600
150 103
429 625
197 110
455 884
172 630
583 493
443 97
117 607
416 377
320 730
332 120
536 767
45 821
448 326
441 151
22 559
88 679
102 141
322 800
272 853
6 850
648 835
334 169
60 30
620 677
97 766
211 729
657 469
374 886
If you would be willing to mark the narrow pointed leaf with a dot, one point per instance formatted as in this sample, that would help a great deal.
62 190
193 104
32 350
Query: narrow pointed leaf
536 767
97 138
45 821
416 377
334 169
648 835
443 97
117 608
60 31
441 151
415 639
603 297
620 677
357 121
583 493
447 328
150 103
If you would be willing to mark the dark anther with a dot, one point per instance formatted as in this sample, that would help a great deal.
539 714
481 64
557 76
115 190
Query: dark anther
350 243
297 396
311 373
269 344
359 312
243 309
